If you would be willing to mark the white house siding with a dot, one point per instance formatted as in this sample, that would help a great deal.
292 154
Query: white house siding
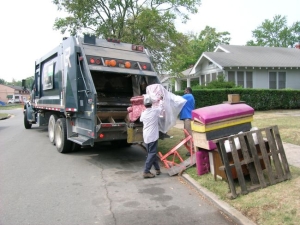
260 79
293 79
208 71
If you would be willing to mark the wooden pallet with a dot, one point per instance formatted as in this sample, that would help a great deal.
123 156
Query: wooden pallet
180 168
270 151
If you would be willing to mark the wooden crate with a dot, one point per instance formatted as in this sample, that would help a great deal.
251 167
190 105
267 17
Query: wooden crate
219 169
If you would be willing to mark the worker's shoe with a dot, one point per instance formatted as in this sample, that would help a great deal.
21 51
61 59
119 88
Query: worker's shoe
158 172
162 135
188 154
148 175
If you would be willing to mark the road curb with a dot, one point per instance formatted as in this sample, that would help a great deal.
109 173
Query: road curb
4 118
228 210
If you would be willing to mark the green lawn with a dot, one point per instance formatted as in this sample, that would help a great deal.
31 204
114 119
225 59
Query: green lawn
275 204
9 107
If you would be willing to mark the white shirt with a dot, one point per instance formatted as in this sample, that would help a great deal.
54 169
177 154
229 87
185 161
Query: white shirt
150 118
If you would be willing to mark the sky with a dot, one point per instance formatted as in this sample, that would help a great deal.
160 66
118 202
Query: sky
27 27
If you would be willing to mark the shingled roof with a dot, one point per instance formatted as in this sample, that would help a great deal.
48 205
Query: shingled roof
252 56
18 88
15 87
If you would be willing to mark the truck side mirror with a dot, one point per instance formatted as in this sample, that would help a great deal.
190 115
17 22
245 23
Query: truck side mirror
23 83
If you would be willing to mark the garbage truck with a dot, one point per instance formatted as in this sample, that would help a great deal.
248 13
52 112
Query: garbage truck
82 89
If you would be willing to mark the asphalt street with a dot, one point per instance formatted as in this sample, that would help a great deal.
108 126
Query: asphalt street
102 185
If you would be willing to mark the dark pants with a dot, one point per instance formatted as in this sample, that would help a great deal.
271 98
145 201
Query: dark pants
152 158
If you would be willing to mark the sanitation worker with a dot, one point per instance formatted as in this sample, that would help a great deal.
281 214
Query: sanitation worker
150 117
186 111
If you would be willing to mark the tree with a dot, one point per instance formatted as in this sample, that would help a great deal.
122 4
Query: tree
149 23
29 82
2 81
14 82
191 47
275 33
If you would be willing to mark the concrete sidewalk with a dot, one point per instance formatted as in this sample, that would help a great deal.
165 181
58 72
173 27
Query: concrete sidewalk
293 157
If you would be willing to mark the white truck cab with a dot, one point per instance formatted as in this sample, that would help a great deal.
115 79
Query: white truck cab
15 99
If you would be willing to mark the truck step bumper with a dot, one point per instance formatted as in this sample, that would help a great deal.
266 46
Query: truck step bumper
82 140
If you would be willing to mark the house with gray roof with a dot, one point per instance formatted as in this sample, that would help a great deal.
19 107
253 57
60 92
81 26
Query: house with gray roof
7 92
247 66
166 82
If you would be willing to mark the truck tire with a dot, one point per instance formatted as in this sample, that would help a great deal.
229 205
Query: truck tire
75 147
62 143
51 126
120 143
27 125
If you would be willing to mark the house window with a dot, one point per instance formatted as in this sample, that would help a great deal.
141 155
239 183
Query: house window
272 80
207 78
240 78
210 63
249 80
213 76
231 76
281 80
202 79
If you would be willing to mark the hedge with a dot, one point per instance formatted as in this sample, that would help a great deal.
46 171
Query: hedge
259 99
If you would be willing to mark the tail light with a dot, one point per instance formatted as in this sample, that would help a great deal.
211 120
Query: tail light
92 60
137 48
140 48
127 64
119 63
98 61
112 63
113 40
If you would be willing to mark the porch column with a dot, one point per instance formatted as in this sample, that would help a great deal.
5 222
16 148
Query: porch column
200 80
188 82
177 85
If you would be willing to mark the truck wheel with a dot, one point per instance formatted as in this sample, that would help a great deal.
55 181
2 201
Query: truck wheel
120 143
63 145
75 147
51 126
27 125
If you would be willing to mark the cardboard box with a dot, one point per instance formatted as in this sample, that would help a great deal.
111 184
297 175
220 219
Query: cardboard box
233 98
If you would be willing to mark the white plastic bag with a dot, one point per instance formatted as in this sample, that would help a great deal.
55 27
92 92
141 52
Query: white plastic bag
170 104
